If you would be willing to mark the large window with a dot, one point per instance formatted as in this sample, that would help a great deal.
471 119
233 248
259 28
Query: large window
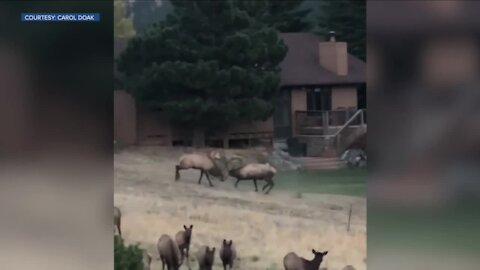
319 99
362 96
283 114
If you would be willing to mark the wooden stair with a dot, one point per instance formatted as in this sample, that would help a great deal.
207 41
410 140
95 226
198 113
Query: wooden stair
318 163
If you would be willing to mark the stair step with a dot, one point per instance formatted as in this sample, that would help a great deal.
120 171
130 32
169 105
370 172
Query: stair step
280 143
325 163
315 163
322 160
325 167
308 159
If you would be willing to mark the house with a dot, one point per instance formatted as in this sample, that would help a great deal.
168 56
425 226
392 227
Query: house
322 88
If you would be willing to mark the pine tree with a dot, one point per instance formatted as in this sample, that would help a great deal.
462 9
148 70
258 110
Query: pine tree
289 16
208 65
123 26
348 19
285 15
147 13
126 257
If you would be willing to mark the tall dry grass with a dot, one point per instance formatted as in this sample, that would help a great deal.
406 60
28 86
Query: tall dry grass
263 228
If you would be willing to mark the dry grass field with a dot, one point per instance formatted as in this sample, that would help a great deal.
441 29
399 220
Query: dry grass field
263 227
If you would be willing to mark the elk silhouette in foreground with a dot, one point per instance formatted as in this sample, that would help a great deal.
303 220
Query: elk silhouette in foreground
207 164
117 219
205 258
146 260
183 239
292 261
227 254
169 253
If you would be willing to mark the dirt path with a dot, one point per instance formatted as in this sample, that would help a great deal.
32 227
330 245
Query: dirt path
263 228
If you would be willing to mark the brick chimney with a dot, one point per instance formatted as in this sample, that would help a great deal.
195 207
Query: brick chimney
333 55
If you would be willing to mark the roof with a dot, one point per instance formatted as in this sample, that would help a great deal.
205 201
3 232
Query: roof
301 65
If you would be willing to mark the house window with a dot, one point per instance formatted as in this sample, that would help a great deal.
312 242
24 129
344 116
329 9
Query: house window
362 97
319 99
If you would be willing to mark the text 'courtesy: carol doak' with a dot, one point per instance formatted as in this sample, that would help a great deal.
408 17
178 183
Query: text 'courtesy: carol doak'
60 17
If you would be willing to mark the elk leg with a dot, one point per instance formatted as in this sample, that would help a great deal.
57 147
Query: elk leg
182 259
236 183
265 186
208 178
271 186
200 179
255 182
268 182
188 249
119 229
177 172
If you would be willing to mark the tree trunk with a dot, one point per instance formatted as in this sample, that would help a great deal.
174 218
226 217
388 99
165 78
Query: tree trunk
199 137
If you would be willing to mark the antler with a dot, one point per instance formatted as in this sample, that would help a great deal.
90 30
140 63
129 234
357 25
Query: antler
238 158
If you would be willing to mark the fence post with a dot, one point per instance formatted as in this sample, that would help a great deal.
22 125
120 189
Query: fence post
349 218
296 125
338 142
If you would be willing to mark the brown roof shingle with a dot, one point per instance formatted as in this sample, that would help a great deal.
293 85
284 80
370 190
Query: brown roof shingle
301 65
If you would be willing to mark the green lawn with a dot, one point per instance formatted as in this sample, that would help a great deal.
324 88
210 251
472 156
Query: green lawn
451 228
345 181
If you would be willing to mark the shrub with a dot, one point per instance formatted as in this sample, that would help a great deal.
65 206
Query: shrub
127 257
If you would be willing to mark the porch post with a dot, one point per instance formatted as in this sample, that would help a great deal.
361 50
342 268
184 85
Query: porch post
226 138
225 141
325 121
338 138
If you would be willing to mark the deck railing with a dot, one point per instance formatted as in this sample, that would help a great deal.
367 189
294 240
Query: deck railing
326 122
336 131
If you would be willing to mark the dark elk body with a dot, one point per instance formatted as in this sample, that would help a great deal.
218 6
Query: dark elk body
292 261
168 252
117 219
183 239
205 258
227 254
146 259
